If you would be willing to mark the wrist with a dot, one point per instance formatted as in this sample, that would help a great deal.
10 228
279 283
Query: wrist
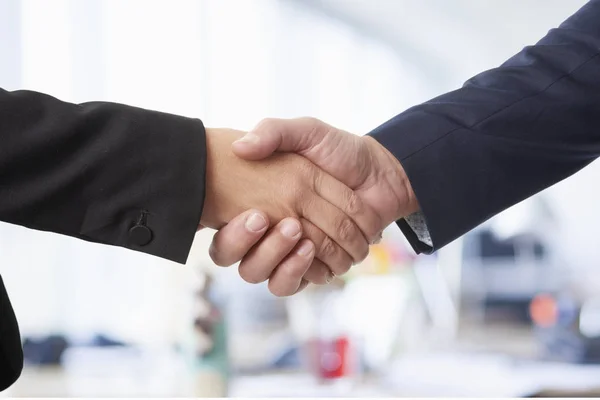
412 204
210 212
226 179
391 173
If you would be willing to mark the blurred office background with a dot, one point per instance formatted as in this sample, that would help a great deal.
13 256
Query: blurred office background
508 310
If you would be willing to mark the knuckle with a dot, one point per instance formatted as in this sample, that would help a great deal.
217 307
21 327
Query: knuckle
346 229
328 248
354 205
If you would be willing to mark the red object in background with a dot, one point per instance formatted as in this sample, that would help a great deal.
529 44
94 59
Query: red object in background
544 310
331 359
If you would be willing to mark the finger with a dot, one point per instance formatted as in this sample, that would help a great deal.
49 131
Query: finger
335 224
319 273
271 134
236 238
378 239
287 277
345 199
333 258
260 262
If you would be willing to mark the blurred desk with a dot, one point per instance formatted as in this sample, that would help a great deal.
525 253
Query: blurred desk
55 382
39 383
418 376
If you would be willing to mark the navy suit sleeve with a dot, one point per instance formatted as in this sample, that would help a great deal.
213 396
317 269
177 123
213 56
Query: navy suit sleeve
507 134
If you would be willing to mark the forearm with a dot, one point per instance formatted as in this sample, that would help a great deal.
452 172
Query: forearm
95 170
507 134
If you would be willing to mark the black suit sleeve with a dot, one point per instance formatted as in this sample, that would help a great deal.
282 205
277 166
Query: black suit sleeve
102 172
11 353
507 134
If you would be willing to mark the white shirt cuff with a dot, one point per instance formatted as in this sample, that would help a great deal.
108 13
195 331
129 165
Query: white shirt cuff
417 223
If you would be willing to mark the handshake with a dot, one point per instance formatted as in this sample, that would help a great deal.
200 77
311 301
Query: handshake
330 194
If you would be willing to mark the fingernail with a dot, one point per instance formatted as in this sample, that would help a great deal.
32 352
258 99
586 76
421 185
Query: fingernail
330 277
250 138
290 229
255 223
305 249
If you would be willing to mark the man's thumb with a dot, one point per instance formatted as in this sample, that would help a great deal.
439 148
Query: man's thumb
271 135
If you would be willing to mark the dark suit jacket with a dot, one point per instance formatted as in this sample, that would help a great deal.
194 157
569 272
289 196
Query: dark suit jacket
507 134
101 172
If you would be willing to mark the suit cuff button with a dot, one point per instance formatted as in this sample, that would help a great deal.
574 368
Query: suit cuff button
140 235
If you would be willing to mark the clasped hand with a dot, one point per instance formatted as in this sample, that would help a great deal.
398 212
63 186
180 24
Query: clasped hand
329 193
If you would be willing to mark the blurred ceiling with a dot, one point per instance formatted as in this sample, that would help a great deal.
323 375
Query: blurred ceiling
456 38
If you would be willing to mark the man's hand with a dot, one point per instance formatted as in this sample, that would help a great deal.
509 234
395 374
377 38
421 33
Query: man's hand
360 162
283 185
